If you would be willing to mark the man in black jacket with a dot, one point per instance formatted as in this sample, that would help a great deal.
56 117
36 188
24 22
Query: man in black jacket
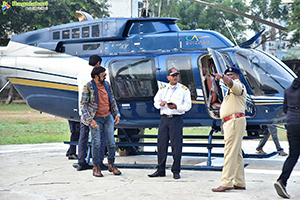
291 106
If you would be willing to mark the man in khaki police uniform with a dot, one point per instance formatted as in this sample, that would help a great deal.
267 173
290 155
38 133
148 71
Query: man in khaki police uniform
233 114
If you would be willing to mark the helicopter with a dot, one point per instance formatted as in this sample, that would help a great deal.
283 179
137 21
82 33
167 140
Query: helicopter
43 66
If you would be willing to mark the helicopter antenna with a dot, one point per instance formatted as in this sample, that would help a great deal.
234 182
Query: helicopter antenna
230 33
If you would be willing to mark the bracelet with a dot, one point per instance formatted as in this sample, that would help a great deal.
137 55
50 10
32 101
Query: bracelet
222 76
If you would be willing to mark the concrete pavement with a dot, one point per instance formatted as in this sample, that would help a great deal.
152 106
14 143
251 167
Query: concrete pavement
41 171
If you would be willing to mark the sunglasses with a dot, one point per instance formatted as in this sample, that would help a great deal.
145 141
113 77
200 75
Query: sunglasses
103 75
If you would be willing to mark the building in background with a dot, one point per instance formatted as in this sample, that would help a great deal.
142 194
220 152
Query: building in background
123 8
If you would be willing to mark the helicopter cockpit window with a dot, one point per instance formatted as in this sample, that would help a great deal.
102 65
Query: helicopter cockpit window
133 80
186 77
263 74
95 31
56 35
85 32
66 34
75 33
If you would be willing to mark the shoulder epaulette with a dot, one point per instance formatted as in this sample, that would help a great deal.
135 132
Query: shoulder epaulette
162 87
184 87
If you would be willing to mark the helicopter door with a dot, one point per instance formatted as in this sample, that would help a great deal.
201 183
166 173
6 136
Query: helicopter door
221 64
212 92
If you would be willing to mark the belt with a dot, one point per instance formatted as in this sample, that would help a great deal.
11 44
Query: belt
237 115
170 116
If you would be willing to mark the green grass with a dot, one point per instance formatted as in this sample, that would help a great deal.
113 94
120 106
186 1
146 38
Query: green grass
186 131
15 129
23 131
15 107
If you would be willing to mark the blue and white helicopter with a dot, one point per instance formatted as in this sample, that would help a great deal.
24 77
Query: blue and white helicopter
43 66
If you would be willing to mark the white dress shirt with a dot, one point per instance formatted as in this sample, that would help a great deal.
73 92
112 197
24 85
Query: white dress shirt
83 77
177 94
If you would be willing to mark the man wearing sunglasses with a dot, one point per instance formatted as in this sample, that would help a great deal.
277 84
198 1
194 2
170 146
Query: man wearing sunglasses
83 77
98 106
232 112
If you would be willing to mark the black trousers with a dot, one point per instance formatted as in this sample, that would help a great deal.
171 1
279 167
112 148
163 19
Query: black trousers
293 135
170 129
82 143
75 131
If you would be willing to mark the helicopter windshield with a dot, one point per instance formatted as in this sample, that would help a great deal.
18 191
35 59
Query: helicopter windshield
263 74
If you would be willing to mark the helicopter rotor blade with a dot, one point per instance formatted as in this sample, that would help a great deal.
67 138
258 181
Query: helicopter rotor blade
274 25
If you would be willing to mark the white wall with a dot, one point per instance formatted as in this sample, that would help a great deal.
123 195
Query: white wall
123 8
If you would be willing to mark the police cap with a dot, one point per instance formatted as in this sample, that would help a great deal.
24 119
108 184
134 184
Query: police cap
232 69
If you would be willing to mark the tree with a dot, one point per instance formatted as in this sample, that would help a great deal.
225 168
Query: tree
294 23
269 10
196 16
16 20
163 8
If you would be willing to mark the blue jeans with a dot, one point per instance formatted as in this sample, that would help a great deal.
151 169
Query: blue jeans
272 130
105 128
83 142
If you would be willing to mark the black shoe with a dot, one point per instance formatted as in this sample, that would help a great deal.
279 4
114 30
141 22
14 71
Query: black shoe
103 167
280 189
84 167
176 175
157 174
73 157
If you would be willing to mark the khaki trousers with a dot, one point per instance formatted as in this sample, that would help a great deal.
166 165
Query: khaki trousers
233 169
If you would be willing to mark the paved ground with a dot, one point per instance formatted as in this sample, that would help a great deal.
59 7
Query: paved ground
42 171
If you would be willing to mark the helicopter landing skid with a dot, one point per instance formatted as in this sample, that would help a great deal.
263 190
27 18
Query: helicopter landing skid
209 145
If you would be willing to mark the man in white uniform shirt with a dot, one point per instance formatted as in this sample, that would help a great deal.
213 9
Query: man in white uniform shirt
173 100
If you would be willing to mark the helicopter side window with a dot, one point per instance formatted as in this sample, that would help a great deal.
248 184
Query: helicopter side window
95 31
85 32
56 35
186 77
133 80
66 34
90 47
134 29
75 33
